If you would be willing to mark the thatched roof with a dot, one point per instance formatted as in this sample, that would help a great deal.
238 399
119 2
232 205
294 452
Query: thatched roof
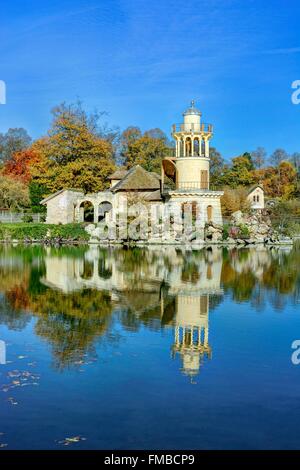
118 175
154 196
138 179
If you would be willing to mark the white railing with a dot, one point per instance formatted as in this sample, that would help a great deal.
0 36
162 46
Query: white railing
9 217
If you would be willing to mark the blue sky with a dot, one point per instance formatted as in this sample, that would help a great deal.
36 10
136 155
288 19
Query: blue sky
143 61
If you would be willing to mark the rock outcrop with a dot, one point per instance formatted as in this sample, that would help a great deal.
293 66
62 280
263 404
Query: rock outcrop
255 227
242 229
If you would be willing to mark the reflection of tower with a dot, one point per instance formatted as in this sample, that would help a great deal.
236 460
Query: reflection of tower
191 332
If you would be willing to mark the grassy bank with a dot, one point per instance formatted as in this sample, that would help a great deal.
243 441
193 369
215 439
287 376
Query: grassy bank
42 232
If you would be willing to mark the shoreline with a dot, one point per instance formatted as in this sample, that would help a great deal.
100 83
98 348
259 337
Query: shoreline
199 244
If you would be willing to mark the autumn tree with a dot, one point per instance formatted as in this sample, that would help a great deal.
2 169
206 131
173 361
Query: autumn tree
278 182
147 150
13 194
234 200
20 164
73 154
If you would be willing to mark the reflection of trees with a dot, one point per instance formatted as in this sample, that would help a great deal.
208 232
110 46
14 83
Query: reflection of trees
276 280
14 319
72 322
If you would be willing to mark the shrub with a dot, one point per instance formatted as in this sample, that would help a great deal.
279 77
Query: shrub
244 231
225 234
27 219
234 200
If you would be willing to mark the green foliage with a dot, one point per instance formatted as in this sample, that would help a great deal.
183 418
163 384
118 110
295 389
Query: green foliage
285 217
69 232
244 231
36 195
216 165
33 231
27 218
225 234
239 173
23 231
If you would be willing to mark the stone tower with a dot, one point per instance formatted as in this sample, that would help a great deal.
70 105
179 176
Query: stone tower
189 168
192 144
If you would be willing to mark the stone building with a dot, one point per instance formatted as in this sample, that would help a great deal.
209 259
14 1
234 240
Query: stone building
187 175
256 197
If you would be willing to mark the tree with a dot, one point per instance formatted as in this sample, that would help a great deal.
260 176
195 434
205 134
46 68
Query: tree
14 140
216 164
19 165
73 154
74 135
128 136
295 160
278 156
234 200
147 151
258 157
239 173
36 195
13 194
278 181
88 174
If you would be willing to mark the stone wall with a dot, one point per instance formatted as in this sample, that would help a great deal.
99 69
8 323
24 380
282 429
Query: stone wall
60 209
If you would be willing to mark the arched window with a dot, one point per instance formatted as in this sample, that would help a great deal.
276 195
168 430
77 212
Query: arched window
188 147
196 147
103 208
86 211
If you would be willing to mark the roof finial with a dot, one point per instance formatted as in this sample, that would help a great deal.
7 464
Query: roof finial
193 103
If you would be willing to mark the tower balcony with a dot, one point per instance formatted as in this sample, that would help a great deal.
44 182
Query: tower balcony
190 128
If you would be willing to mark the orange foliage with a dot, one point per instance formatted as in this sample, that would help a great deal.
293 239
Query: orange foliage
19 166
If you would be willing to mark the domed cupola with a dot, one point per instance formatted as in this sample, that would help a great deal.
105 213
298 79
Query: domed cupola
192 110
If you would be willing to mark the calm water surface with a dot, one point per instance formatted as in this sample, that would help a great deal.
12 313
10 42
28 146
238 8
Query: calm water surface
161 348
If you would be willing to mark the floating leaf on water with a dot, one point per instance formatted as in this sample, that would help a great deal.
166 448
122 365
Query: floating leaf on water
71 440
12 401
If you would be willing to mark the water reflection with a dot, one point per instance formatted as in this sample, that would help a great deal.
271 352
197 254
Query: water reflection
77 296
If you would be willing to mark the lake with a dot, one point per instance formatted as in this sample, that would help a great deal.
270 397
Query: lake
158 348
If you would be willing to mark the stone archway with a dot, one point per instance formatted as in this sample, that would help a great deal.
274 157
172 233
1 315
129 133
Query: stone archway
104 208
86 211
